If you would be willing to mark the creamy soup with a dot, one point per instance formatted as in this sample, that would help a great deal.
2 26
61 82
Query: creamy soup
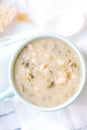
47 72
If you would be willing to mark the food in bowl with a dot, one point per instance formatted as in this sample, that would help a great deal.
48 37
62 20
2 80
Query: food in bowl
47 72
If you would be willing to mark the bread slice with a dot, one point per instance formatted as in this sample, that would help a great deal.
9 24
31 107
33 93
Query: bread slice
7 14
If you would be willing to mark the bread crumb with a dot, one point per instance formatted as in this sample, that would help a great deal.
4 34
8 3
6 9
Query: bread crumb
22 17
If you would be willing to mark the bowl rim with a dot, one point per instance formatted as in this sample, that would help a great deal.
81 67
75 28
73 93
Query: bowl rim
67 41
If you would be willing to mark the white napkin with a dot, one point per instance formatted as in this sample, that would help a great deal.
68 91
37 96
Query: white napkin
14 115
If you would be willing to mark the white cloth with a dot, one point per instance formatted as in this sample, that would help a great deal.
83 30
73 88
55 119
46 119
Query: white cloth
14 115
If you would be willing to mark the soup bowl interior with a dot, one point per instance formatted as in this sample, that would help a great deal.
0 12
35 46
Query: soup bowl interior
83 72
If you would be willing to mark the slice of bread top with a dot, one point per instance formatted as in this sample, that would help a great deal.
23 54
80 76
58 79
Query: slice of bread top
7 14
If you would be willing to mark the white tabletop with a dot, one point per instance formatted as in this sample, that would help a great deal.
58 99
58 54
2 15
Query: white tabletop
14 115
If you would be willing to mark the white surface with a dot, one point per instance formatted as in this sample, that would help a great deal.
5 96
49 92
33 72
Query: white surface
14 114
67 24
73 117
